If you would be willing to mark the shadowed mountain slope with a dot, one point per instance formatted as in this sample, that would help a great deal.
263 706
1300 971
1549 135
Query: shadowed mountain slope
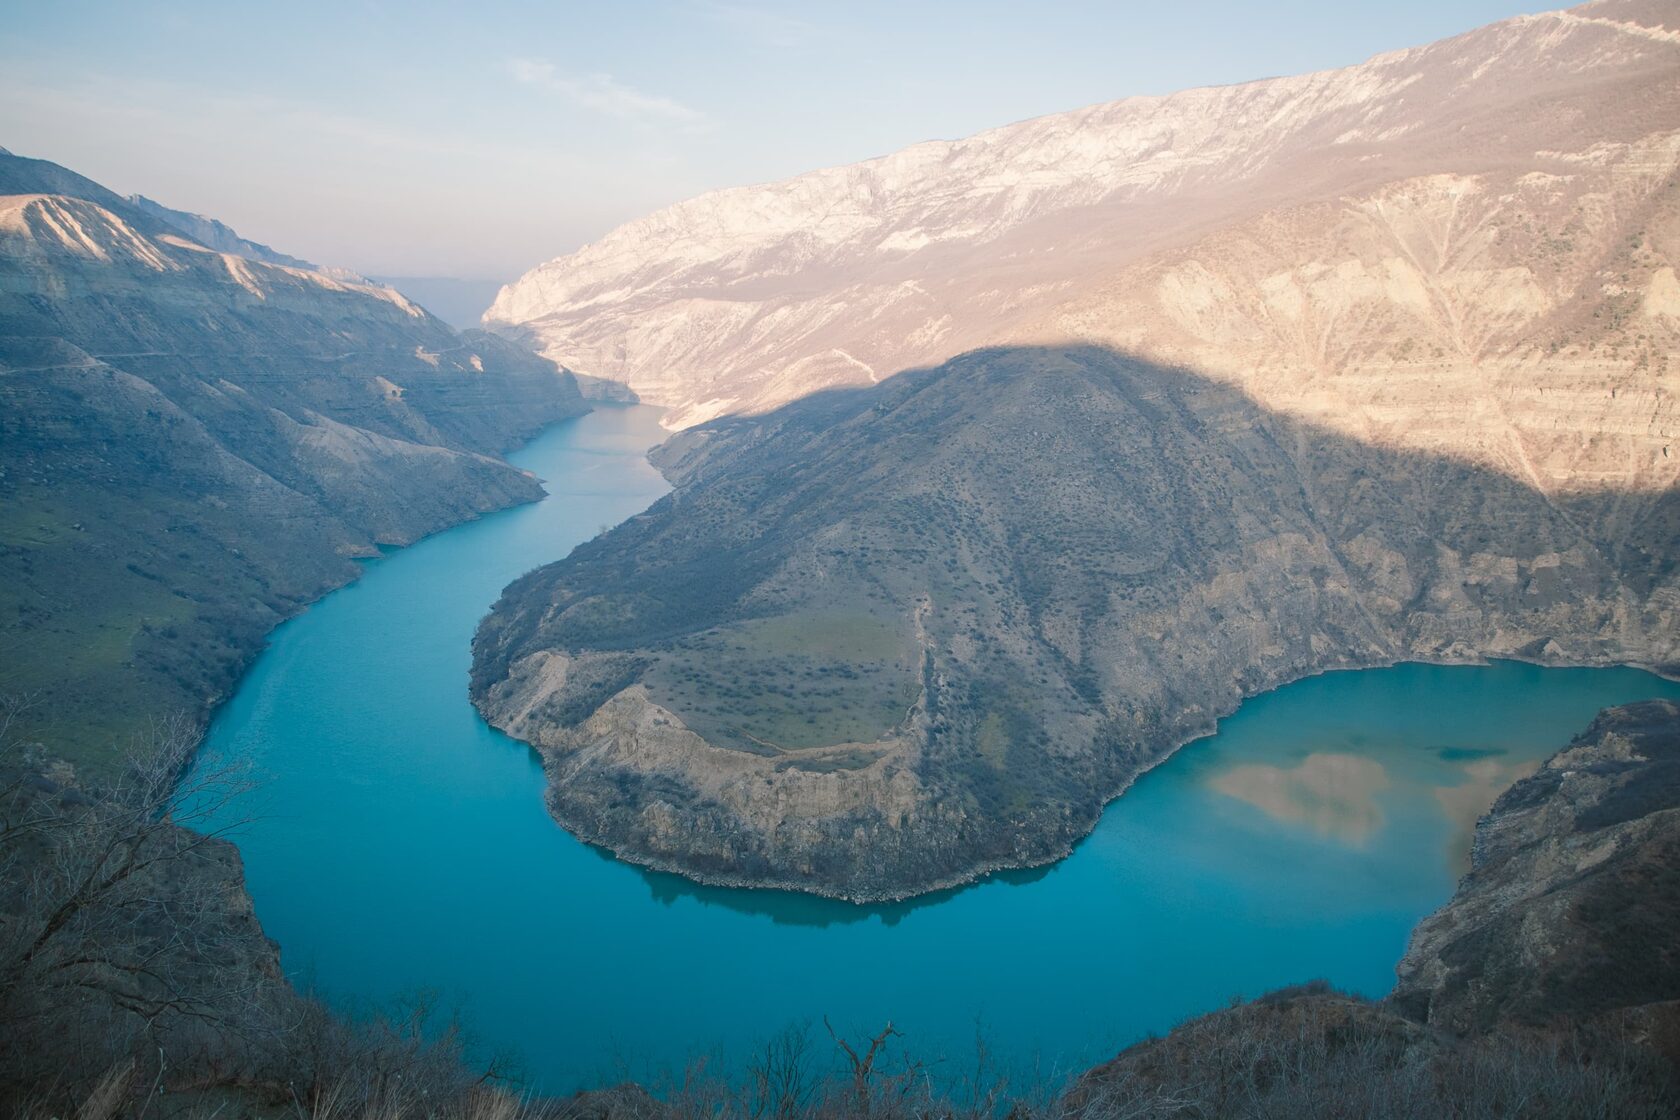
878 641
1547 986
197 442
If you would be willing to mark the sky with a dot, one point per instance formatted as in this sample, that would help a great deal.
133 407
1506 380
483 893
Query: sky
477 140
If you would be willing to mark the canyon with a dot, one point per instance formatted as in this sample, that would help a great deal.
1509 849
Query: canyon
996 471
1006 465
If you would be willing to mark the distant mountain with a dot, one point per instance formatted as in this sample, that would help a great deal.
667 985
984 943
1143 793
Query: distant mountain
215 235
195 440
1462 247
20 175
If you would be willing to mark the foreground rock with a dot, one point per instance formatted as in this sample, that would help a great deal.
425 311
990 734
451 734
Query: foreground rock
1570 911
196 439
124 934
882 640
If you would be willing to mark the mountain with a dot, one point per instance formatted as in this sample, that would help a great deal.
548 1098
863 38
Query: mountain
199 439
215 235
881 640
1248 383
1467 247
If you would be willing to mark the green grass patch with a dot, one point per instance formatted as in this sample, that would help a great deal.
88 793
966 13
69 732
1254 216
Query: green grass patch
790 683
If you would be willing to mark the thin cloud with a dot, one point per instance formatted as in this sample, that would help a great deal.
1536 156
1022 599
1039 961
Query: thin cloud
766 28
602 93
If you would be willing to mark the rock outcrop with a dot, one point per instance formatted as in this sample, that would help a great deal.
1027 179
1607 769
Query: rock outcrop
1548 986
122 931
1569 912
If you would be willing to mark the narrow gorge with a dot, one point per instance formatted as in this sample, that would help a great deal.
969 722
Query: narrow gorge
1165 609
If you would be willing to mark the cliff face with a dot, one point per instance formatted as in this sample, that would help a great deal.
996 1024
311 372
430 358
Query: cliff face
197 442
1468 247
1569 911
880 640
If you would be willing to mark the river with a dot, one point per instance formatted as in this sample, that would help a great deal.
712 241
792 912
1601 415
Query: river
400 844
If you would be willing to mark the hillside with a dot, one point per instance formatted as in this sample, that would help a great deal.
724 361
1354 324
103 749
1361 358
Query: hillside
881 640
197 443
1467 247
1569 909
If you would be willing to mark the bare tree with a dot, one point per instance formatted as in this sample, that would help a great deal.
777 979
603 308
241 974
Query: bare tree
123 925
779 1085
866 1093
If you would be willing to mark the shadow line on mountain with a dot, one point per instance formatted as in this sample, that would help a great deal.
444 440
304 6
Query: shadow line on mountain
1110 490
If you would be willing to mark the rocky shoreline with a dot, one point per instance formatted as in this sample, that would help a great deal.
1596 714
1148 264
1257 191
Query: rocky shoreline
1183 550
980 872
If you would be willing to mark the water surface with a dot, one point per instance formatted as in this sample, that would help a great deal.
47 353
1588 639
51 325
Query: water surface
403 844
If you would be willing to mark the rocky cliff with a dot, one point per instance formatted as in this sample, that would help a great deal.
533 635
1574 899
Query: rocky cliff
880 640
1569 911
123 932
197 442
1468 247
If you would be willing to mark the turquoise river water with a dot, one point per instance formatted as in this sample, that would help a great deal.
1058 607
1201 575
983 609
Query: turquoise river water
400 844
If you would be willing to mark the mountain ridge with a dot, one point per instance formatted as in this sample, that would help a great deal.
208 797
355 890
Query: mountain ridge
198 443
1458 247
217 235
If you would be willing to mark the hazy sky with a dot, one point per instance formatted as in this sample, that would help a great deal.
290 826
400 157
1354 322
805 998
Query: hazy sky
477 139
